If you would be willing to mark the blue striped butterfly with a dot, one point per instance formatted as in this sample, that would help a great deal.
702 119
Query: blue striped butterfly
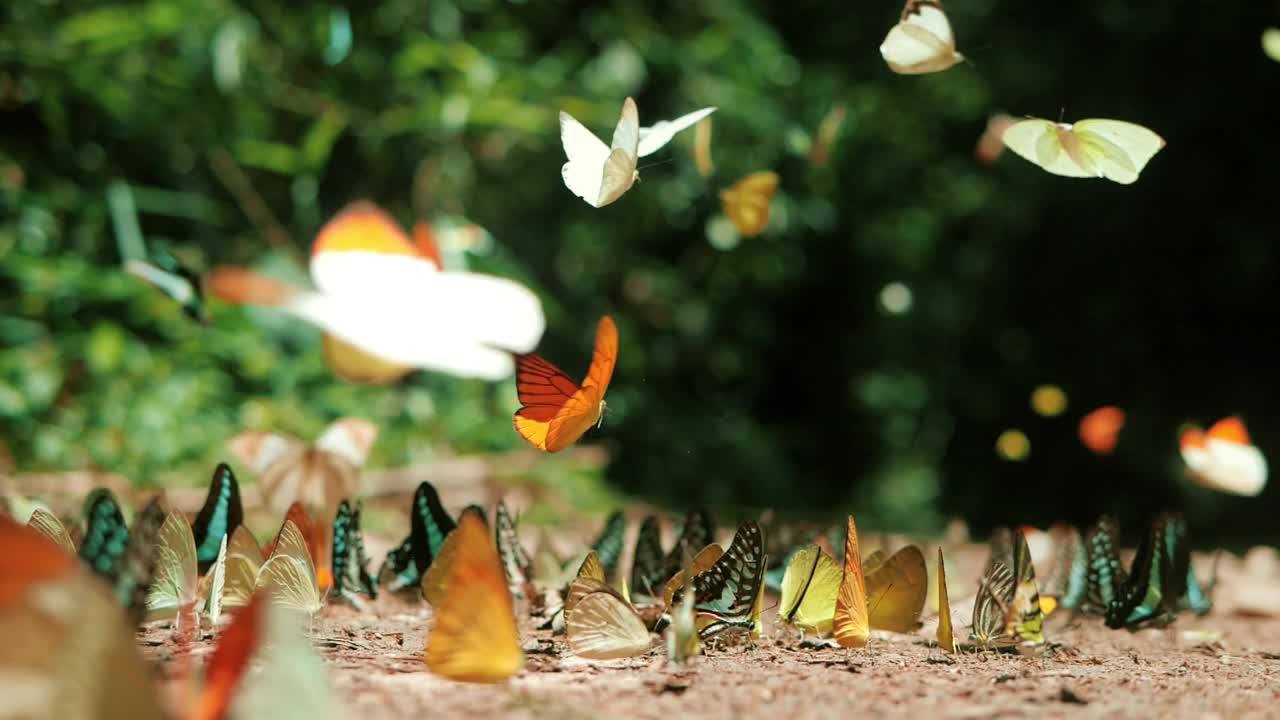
515 559
221 514
725 596
350 563
429 524
1190 594
1105 574
1141 599
608 544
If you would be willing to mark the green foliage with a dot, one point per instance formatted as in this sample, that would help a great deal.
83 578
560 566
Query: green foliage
761 371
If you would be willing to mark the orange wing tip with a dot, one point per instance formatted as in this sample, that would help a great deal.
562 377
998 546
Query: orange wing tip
1229 429
1191 438
362 225
240 286
424 240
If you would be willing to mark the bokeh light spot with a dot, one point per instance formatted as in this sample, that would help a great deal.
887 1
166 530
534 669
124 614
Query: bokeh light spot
1013 445
895 298
1048 400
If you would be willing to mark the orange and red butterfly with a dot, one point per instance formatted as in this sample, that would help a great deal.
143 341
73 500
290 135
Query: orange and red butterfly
557 411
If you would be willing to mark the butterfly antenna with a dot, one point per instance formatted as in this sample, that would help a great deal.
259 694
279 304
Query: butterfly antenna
655 163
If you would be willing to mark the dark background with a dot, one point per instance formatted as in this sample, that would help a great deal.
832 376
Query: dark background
762 375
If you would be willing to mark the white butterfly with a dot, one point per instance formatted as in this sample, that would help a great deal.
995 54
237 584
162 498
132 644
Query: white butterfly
1223 458
922 41
603 626
600 174
1109 149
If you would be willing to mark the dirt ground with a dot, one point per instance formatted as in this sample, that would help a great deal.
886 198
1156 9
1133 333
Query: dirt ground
1223 665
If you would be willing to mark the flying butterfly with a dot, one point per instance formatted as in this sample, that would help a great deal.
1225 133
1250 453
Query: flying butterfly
555 410
350 563
851 624
220 515
746 202
599 173
809 590
429 524
1110 149
474 636
922 41
167 274
1099 430
1223 458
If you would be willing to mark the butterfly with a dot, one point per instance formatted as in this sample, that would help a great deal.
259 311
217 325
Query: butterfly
1110 149
373 285
212 585
683 640
220 515
608 544
555 410
702 147
809 589
825 138
48 525
429 524
120 555
746 202
244 558
1271 43
435 581
350 563
1105 574
697 532
1223 458
604 626
922 41
1143 598
1001 544
67 650
106 536
1189 593
1100 429
1067 579
473 637
288 577
600 173
648 567
897 588
725 595
1024 618
995 595
851 623
991 142
515 559
946 635
180 283
175 584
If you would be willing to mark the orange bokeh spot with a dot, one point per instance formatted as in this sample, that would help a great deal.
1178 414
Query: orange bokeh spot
1100 429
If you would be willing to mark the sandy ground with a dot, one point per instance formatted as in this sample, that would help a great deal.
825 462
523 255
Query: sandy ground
1223 665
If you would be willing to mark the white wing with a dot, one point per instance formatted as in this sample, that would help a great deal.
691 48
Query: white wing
289 576
174 584
921 42
48 524
219 575
1234 468
292 682
1037 141
244 557
584 172
349 438
620 167
1119 149
604 627
652 139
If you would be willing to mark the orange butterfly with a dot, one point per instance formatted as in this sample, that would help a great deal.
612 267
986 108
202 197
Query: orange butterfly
747 201
474 637
557 411
852 624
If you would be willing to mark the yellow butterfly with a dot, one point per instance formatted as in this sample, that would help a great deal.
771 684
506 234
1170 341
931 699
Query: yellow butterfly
604 626
1024 618
809 588
435 581
288 577
896 589
244 558
175 583
946 636
747 201
474 636
852 622
1110 149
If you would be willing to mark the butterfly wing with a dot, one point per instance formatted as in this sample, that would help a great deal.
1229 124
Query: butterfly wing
995 593
244 558
398 571
435 581
429 524
48 525
1106 576
1040 142
922 41
557 411
289 576
647 567
946 634
1140 600
852 622
608 545
697 532
583 174
174 581
1119 150
652 139
746 202
220 515
544 390
896 591
605 627
474 636
726 593
106 536
515 559
1023 617
217 584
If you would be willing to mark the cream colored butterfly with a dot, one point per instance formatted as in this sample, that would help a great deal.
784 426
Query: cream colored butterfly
921 42
604 626
175 585
600 173
289 576
1110 149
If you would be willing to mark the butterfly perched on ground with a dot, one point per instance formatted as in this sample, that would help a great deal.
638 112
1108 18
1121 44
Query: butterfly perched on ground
608 544
244 558
725 595
167 274
288 577
922 41
220 515
746 202
599 173
851 622
474 637
515 559
106 536
697 532
68 650
555 410
429 524
683 641
809 588
1024 619
48 525
1223 458
373 285
175 585
995 595
1190 594
1105 573
1111 149
120 555
1066 580
897 587
350 563
648 567
946 634
604 626
1144 598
